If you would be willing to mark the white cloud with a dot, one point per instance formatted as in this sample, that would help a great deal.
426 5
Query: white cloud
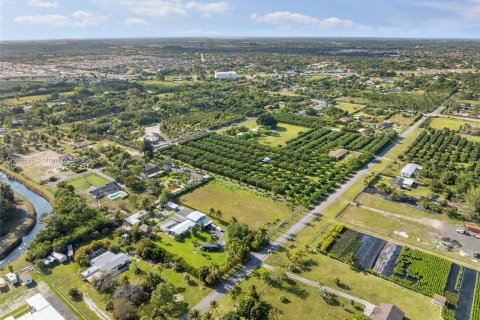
209 8
78 18
165 8
137 22
290 19
43 4
457 14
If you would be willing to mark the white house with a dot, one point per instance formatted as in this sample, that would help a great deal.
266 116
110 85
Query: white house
107 261
3 283
60 257
12 277
409 170
134 219
198 218
48 260
172 206
230 75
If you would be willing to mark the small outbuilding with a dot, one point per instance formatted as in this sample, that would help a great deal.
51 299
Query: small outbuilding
337 154
26 278
211 247
12 278
410 170
60 257
3 283
387 311
439 300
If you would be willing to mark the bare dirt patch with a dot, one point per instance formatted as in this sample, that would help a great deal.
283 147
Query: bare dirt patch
42 165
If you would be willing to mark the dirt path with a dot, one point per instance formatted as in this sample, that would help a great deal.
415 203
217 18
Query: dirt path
433 223
92 306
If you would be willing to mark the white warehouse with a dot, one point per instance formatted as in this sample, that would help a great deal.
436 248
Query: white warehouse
231 75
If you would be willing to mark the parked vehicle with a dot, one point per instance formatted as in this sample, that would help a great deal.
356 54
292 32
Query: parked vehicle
476 254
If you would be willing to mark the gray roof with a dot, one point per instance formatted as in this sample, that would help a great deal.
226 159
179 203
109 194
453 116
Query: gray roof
109 260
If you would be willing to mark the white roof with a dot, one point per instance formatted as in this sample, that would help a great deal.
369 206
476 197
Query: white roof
11 276
172 205
408 182
135 218
182 227
2 282
195 216
58 255
411 168
42 310
38 302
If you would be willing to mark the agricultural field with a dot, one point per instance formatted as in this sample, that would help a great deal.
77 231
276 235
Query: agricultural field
247 206
285 132
421 272
476 302
300 171
445 150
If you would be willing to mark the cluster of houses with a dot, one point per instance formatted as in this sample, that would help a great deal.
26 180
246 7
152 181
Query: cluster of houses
24 277
55 257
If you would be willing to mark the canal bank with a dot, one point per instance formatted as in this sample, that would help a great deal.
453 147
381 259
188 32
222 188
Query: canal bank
41 206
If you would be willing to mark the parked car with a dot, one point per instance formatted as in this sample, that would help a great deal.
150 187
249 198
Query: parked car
462 231
476 254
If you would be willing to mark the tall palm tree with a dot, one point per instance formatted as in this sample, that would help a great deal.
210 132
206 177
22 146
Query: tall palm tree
207 316
234 293
195 315
214 306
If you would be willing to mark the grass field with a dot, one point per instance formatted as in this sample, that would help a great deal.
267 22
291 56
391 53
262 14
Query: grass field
452 124
285 132
85 182
350 107
233 201
30 99
163 84
325 270
303 302
471 138
400 120
193 256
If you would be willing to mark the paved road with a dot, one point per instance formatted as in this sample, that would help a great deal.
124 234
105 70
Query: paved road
258 258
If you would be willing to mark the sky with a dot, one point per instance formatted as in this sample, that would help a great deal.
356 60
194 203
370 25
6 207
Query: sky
64 19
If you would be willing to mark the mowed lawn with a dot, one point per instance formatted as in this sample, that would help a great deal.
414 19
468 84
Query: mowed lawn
30 99
233 201
452 124
302 301
326 270
285 132
85 182
350 107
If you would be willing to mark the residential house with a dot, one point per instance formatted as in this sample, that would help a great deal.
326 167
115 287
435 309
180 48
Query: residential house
134 219
107 261
345 119
384 124
410 170
3 283
99 193
145 229
60 257
403 182
40 309
152 171
183 220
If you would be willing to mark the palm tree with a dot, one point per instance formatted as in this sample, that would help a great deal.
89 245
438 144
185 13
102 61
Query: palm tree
124 279
214 306
195 315
207 316
234 293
